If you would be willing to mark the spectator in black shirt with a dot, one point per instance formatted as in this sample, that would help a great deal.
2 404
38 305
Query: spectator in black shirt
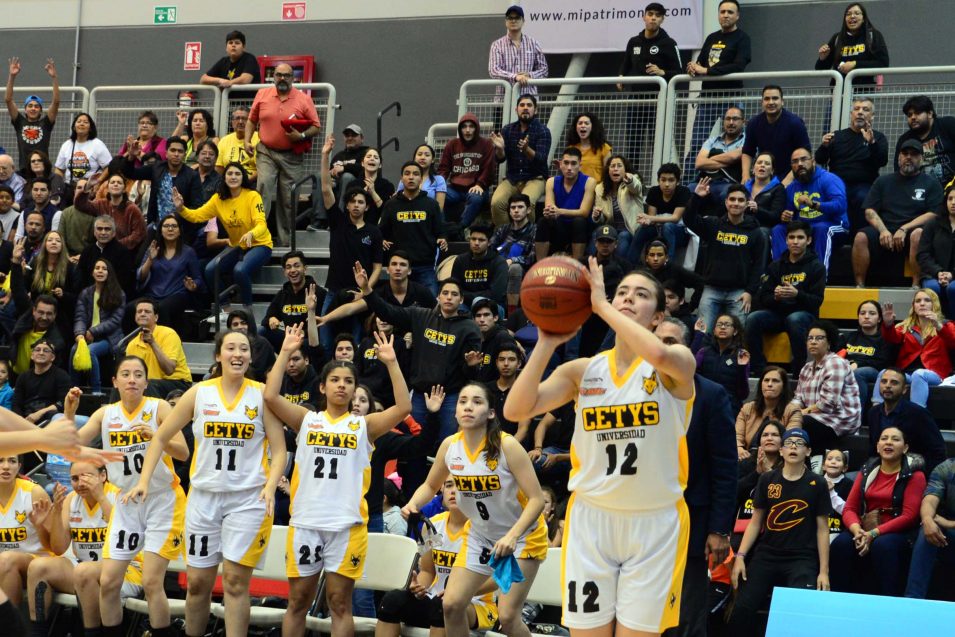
107 247
300 383
237 67
855 155
481 271
373 372
263 356
856 45
657 261
866 350
352 240
936 255
652 52
344 169
791 509
494 336
935 134
288 306
40 391
551 452
33 126
508 362
666 203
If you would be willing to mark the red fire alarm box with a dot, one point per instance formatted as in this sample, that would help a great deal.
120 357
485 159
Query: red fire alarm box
303 67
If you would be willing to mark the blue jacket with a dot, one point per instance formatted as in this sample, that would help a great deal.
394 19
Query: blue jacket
825 188
110 326
711 488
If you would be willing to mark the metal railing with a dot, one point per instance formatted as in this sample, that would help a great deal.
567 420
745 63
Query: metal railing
694 112
116 109
73 100
632 118
489 100
438 136
391 141
897 86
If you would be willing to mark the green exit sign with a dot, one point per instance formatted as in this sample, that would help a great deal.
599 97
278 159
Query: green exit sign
164 15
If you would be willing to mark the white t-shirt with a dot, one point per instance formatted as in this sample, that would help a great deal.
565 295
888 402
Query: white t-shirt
82 159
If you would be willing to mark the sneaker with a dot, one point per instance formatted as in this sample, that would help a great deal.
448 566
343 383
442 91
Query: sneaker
313 227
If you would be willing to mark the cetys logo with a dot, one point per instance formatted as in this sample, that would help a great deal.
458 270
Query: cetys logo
491 464
251 412
650 383
20 516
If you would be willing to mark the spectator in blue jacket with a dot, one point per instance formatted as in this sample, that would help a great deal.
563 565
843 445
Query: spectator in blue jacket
775 129
817 196
98 320
936 538
711 487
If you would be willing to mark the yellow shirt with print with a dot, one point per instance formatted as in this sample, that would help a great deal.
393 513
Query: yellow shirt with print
237 215
24 348
231 148
171 346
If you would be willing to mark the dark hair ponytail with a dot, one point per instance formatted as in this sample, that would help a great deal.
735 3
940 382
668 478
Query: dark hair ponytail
492 448
330 366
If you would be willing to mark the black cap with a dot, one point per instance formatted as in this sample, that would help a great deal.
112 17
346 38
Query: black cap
606 232
911 144
514 8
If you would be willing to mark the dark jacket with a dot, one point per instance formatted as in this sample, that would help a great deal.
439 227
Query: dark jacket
661 50
868 351
722 368
734 252
516 245
867 49
484 276
110 327
491 344
33 392
851 158
936 247
186 182
770 202
711 487
687 278
395 445
118 256
413 225
438 343
466 164
808 276
921 431
870 471
289 306
723 54
24 324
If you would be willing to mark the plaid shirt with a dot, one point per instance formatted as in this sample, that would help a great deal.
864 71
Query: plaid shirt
520 167
831 386
507 60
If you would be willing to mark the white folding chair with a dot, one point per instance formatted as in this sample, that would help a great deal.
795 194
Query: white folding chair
546 587
272 569
387 567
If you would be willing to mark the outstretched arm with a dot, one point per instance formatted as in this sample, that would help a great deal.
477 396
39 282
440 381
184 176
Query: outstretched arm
380 423
291 414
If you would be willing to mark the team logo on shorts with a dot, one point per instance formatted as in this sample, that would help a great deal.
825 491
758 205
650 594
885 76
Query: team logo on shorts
491 464
355 560
650 383
21 517
251 412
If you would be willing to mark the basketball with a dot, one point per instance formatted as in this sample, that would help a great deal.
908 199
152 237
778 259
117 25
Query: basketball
555 295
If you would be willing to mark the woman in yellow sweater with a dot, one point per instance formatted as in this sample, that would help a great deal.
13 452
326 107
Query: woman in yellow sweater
238 208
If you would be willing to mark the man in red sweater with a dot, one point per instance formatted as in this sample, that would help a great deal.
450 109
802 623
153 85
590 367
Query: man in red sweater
468 165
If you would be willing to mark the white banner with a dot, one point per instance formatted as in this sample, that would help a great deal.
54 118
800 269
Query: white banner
590 26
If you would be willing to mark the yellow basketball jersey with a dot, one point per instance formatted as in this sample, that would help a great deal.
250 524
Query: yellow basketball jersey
332 472
628 452
487 490
17 533
444 555
117 431
231 452
87 525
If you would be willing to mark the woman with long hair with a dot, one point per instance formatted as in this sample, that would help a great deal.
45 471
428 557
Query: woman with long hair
83 154
925 340
130 222
51 272
332 465
773 402
936 255
146 140
587 135
432 184
856 45
502 523
237 207
195 128
378 188
618 201
766 458
25 509
150 530
39 165
169 274
98 320
722 358
880 513
866 350
231 499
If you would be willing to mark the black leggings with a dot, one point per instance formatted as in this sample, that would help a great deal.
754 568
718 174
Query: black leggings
821 435
401 607
11 620
562 232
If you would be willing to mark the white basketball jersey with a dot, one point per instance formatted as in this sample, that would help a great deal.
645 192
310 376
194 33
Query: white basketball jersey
231 452
87 525
628 452
444 555
17 533
118 433
332 472
487 490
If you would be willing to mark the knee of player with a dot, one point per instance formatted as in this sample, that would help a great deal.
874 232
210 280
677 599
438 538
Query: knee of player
153 584
110 582
454 605
299 600
339 603
861 241
200 585
507 614
38 569
235 584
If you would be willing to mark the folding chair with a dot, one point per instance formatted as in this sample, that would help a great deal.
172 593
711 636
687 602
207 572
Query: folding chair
546 587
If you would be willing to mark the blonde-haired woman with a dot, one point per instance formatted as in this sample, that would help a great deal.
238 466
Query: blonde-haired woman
925 339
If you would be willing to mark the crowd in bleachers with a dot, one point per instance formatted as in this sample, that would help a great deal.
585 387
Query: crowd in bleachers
106 256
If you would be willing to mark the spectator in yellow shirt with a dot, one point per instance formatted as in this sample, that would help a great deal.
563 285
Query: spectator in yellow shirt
232 146
158 345
238 208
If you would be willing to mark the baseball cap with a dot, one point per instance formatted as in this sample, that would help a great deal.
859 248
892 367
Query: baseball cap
911 144
606 232
32 98
354 128
514 8
656 7
797 433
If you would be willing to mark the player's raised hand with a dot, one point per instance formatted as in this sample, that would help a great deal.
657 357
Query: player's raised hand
294 337
594 274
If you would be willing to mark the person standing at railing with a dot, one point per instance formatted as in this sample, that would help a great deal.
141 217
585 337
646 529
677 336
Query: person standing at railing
857 45
83 154
33 126
776 129
150 141
286 121
237 67
723 52
525 146
516 58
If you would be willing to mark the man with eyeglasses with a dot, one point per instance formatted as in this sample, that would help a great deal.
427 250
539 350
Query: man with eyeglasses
286 120
516 58
720 157
36 325
40 390
33 126
232 146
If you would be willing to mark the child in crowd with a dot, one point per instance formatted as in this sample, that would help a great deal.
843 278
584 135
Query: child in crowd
6 390
393 500
834 468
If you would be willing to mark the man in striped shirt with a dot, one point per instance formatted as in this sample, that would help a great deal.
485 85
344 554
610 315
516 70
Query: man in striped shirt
516 57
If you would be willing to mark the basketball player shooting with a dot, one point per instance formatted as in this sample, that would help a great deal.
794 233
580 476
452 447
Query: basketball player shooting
627 525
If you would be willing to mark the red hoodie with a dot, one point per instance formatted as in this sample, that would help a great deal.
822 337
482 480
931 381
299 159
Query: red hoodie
464 164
